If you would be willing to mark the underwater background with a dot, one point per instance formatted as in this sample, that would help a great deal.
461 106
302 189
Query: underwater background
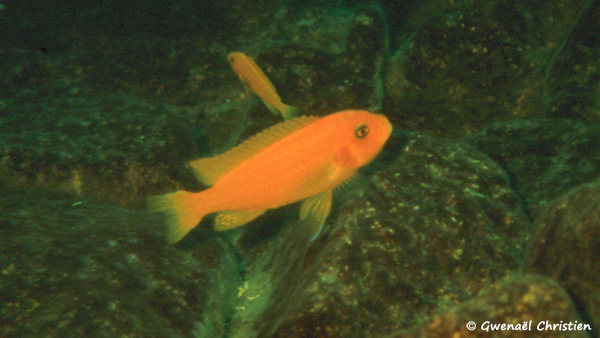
483 206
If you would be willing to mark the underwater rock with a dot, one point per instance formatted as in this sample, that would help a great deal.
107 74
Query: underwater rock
466 65
147 52
320 82
565 245
114 120
544 158
436 225
106 146
572 72
112 107
92 140
462 69
75 268
529 300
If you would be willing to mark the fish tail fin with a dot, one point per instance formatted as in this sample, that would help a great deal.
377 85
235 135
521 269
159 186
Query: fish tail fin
181 210
286 111
272 108
289 112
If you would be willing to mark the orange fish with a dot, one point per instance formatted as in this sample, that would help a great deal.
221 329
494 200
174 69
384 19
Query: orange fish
257 81
301 159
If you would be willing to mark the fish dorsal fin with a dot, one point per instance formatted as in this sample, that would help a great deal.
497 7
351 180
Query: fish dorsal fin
209 170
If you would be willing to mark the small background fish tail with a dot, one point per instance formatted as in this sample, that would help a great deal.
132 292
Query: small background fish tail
289 112
181 210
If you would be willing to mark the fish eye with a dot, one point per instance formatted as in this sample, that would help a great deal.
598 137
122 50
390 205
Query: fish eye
361 131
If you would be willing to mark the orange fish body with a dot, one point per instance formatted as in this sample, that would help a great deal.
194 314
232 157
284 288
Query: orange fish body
301 159
249 72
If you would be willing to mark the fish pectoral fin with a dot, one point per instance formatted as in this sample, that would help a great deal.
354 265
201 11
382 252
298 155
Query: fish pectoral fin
314 211
356 182
234 218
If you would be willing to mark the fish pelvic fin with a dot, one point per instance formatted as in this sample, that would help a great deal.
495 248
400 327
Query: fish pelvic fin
181 211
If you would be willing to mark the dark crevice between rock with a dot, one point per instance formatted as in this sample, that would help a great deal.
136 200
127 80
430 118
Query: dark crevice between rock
584 314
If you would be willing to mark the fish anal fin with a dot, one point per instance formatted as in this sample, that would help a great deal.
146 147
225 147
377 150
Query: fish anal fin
314 211
234 218
209 170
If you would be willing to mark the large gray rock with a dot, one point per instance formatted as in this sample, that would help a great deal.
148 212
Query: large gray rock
530 303
566 247
436 225
544 158
75 268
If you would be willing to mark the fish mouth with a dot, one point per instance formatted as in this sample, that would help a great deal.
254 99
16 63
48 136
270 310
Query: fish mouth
386 126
